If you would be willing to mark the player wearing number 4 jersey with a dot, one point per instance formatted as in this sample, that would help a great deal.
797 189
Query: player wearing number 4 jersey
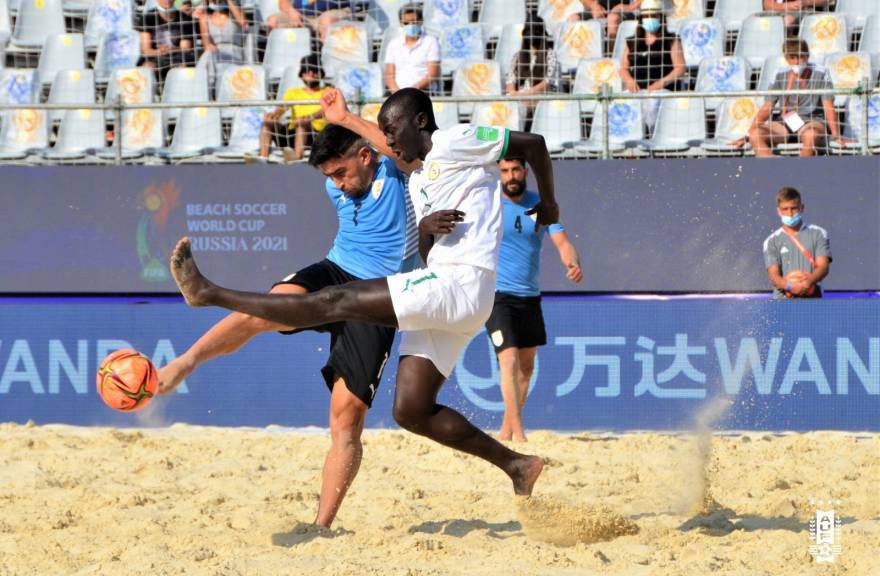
377 236
455 191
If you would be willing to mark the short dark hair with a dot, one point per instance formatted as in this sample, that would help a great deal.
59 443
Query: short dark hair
412 101
795 46
311 63
520 159
786 194
333 142
410 9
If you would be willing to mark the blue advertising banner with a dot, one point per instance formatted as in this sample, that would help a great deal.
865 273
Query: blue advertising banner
647 226
608 365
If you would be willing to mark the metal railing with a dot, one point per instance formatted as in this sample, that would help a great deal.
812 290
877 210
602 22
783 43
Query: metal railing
868 131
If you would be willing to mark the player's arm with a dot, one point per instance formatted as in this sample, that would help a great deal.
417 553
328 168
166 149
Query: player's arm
823 266
439 222
533 148
336 112
775 275
568 254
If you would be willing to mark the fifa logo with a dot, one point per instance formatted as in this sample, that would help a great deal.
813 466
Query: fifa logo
157 201
825 532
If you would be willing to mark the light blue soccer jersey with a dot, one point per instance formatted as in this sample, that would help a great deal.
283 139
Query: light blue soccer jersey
520 260
377 231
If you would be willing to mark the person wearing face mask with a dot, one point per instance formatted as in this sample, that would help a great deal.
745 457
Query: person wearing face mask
166 37
797 255
653 59
805 118
306 120
412 60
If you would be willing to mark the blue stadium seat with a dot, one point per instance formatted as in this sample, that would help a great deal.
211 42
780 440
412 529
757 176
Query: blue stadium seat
440 15
445 114
626 129
290 79
116 52
107 17
133 85
5 26
854 126
19 86
142 133
461 43
366 80
555 13
508 45
245 136
625 31
383 14
870 41
772 67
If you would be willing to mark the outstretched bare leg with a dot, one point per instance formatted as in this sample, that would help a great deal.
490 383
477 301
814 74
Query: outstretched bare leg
416 409
363 301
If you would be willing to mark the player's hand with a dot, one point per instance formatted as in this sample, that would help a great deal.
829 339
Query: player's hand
547 213
333 105
573 272
440 222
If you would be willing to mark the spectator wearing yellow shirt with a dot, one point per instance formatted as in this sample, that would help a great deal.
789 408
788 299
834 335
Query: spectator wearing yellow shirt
306 120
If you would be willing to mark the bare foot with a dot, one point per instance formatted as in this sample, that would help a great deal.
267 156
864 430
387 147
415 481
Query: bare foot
505 435
190 281
525 474
520 437
173 373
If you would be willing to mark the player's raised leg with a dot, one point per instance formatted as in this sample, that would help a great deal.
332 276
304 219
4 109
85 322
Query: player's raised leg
363 301
343 460
416 410
225 337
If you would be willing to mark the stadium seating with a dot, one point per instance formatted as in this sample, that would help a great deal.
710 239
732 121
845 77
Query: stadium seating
826 34
733 13
735 117
19 86
577 41
848 71
61 52
364 80
245 136
81 134
198 132
509 43
71 87
460 43
346 43
724 74
445 114
107 17
241 83
285 47
626 129
37 20
558 122
855 124
133 85
761 37
496 14
440 15
870 41
184 85
555 13
116 52
856 12
476 78
383 14
677 11
701 38
591 76
502 113
142 133
681 126
24 131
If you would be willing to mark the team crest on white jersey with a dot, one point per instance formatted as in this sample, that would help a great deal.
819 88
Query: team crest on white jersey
433 170
377 188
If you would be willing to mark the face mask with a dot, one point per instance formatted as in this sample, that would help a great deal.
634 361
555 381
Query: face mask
791 221
312 84
651 24
412 30
797 69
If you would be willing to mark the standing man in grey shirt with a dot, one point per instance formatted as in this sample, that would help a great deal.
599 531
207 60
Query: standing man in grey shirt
797 255
804 118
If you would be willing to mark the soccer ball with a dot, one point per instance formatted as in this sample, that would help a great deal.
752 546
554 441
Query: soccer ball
798 275
127 380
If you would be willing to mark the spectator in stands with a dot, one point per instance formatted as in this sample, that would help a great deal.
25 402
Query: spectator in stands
221 26
306 120
412 60
653 59
797 255
792 9
167 35
534 69
613 11
806 118
316 14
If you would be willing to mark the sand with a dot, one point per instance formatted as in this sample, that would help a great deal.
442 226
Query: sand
192 500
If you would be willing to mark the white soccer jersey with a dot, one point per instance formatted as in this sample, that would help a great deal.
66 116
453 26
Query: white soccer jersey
460 172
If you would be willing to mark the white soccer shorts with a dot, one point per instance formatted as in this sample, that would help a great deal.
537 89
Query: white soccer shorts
439 309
